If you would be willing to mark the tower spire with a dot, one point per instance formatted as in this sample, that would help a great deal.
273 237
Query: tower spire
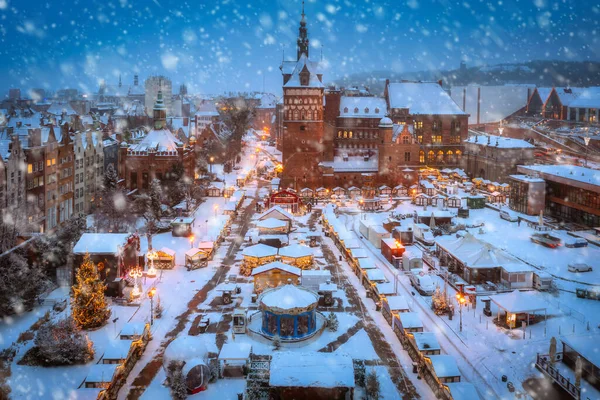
302 35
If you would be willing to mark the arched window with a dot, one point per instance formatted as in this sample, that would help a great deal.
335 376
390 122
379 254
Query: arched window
450 156
339 134
350 135
345 134
355 110
440 156
296 114
430 156
345 110
377 111
366 110
422 157
458 155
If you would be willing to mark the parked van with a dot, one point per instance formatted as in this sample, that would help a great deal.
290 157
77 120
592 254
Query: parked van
509 216
423 234
423 283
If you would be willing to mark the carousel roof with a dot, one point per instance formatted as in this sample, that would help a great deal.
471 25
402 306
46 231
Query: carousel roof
288 297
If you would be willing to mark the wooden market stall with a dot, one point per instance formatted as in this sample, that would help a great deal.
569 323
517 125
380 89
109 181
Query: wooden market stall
257 255
182 226
286 199
298 255
165 258
274 274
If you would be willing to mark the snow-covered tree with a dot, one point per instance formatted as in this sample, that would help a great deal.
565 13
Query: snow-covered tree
158 308
20 283
276 342
89 305
176 380
438 302
332 322
237 115
372 386
112 212
62 343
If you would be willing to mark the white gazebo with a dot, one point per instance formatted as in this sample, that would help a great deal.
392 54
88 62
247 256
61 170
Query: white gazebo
516 304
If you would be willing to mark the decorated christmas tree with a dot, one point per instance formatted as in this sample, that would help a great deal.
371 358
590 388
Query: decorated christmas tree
89 306
439 305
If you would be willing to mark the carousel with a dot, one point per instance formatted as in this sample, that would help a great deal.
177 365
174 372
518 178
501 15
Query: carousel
290 313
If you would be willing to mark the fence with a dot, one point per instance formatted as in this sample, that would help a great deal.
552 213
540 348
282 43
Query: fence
543 363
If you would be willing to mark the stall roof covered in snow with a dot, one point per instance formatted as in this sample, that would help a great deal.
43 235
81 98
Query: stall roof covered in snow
359 253
425 98
376 274
287 297
411 320
426 341
462 391
586 346
386 288
276 212
100 373
133 328
235 351
295 251
499 142
444 365
518 302
366 263
271 223
260 250
397 303
117 350
311 369
277 265
100 243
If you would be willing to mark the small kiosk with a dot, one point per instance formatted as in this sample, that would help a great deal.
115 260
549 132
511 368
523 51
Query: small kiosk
239 320
182 226
165 258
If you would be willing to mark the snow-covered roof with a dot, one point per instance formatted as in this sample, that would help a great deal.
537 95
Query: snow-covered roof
185 348
277 265
100 243
158 140
366 263
101 373
60 109
567 95
271 223
362 107
520 302
397 303
570 172
462 391
295 251
132 328
259 250
352 243
207 109
544 93
359 253
268 100
494 103
386 288
276 212
411 320
422 98
586 346
500 142
289 296
444 365
426 341
353 163
235 351
311 369
327 287
375 274
117 350
313 69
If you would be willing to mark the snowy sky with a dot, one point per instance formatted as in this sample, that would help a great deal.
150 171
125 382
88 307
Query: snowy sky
217 46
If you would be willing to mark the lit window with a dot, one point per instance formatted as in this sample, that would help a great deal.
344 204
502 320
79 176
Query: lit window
29 168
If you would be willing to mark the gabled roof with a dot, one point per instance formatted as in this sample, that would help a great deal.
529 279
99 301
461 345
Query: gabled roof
260 250
588 98
157 140
422 98
277 265
274 211
304 65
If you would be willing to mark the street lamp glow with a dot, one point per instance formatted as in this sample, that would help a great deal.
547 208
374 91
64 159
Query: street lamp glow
151 273
192 241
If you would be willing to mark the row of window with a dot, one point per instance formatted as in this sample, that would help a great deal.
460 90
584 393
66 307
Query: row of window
35 182
357 135
440 157
438 139
303 115
34 167
366 110
309 100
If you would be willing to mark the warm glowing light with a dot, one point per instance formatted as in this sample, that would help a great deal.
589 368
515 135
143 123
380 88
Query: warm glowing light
152 292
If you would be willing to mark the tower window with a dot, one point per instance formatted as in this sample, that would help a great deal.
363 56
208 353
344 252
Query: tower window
355 110
345 110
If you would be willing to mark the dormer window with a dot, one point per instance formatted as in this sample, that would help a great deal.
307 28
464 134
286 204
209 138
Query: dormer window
345 110
366 110
355 110
377 111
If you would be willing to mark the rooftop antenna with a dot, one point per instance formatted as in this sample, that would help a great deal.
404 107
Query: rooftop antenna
302 8
282 55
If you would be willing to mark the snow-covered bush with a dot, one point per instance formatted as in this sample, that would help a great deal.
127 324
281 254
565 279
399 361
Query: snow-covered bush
20 283
276 343
176 380
372 387
158 309
61 343
332 322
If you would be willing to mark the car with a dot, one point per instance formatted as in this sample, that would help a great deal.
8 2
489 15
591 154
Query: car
545 239
576 242
580 267
509 216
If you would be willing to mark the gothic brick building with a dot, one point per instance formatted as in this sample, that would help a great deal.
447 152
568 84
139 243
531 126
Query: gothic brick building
334 137
156 154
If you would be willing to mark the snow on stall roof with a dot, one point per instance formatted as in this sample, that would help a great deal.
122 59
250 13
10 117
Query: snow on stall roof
368 107
352 243
271 223
288 296
316 272
502 142
311 369
354 163
426 341
84 393
327 287
117 350
101 373
476 253
100 243
279 210
410 320
427 98
235 351
366 263
573 172
462 391
444 365
359 253
259 250
435 213
397 303
277 265
168 251
375 274
586 345
386 288
520 302
295 251
132 328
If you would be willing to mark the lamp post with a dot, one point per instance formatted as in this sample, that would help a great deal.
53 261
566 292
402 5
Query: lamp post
211 159
151 273
586 140
151 294
460 298
216 208
192 242
136 274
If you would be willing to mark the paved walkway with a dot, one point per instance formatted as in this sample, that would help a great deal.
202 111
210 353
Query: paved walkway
150 370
